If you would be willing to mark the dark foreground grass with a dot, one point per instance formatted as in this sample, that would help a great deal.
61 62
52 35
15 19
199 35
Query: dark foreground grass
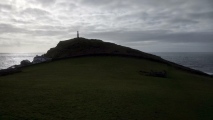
104 88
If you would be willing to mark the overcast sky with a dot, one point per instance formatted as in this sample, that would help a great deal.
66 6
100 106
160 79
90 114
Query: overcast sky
148 25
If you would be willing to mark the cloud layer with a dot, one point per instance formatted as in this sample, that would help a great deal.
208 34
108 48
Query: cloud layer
148 25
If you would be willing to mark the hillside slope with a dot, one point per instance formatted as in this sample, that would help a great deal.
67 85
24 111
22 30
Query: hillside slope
79 47
107 88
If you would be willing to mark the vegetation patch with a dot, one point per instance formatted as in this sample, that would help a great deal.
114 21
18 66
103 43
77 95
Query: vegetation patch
154 73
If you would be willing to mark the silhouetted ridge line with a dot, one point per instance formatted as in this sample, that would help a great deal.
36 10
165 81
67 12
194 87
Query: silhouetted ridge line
81 47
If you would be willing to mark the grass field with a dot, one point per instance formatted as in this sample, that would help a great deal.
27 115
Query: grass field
104 88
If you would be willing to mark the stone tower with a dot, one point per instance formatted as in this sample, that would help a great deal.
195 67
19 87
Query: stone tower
77 34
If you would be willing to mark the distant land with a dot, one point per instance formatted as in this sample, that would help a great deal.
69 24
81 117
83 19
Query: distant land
93 79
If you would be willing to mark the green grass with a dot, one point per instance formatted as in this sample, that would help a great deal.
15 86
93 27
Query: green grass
104 88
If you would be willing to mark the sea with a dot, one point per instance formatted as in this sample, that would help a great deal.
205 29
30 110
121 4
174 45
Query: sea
202 61
10 59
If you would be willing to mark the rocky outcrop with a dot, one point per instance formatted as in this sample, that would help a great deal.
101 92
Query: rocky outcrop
40 59
25 63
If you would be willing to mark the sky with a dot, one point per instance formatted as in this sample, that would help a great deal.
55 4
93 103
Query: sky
28 26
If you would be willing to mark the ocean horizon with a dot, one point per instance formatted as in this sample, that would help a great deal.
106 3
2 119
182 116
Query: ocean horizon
201 61
10 59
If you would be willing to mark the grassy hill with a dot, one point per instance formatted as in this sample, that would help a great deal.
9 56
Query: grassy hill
92 47
86 47
107 88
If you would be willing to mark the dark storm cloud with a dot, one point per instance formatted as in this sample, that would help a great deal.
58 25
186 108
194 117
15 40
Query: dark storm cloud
160 36
183 21
202 15
175 16
189 37
128 22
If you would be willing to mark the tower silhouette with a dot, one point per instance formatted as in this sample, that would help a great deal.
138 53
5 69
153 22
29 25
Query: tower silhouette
77 34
